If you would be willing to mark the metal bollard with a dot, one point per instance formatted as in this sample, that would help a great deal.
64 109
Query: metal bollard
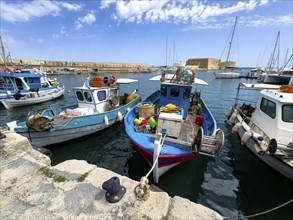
114 191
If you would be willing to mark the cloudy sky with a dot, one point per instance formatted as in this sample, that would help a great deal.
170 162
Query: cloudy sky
154 32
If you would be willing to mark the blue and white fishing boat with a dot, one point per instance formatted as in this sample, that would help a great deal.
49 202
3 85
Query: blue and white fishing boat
98 107
173 124
26 82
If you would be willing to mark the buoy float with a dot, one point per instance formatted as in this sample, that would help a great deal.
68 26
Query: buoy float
137 121
119 116
128 109
257 136
246 137
232 118
68 91
106 120
236 127
229 111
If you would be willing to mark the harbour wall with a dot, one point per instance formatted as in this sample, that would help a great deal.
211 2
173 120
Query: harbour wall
33 189
82 66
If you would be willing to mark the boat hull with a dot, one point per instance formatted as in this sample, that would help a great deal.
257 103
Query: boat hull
252 144
75 127
43 97
227 75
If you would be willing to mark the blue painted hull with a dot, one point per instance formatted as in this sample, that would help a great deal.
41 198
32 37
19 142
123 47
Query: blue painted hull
172 153
75 127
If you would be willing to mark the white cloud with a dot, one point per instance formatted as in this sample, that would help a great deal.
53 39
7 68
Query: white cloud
184 11
257 21
105 3
26 11
71 7
87 19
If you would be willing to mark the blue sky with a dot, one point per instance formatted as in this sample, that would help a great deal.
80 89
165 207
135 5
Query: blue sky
140 31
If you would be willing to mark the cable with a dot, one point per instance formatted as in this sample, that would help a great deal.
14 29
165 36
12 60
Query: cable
264 212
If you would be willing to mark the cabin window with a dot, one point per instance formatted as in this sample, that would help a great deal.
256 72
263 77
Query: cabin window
164 90
79 96
88 96
175 92
186 93
102 95
287 115
268 107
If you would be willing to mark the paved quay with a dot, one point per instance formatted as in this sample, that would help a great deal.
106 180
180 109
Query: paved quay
33 189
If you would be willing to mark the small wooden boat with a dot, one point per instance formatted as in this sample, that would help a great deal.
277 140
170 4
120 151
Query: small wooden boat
173 125
99 106
267 127
34 98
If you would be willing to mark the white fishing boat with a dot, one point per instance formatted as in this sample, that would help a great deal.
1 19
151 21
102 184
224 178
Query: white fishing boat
267 128
34 97
99 105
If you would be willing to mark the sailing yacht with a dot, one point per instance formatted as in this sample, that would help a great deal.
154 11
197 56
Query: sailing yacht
228 74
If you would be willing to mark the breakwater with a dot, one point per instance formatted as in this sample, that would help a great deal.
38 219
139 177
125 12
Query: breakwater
51 66
31 189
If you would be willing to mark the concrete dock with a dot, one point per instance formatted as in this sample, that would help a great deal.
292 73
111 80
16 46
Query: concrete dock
33 189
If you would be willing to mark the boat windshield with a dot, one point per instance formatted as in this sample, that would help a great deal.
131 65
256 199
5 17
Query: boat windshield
287 115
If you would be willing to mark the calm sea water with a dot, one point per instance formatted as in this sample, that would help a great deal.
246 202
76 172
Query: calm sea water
236 183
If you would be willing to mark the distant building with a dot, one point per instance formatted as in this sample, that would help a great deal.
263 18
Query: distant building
209 63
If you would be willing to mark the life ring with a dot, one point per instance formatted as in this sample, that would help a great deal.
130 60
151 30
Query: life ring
110 80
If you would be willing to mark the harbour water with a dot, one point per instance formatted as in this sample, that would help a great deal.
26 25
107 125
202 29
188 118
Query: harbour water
236 183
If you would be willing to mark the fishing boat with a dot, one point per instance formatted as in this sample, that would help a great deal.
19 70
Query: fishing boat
99 105
173 125
228 73
34 97
266 128
25 81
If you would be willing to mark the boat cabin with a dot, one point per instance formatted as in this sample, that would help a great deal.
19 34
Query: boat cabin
273 114
176 89
175 94
20 81
100 99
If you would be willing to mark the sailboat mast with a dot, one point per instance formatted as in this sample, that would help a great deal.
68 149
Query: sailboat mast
3 52
273 54
230 43
166 50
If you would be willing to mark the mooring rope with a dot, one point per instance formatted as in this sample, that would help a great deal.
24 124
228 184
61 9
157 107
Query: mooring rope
157 158
264 212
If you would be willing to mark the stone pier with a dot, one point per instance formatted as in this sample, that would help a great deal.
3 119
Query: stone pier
33 189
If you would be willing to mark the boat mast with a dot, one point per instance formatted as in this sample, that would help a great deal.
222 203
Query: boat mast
271 62
166 50
230 43
3 52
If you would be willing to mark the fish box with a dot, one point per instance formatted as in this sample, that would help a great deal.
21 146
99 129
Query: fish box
170 121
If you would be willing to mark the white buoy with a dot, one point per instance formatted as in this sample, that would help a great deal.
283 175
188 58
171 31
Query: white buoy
119 116
246 137
236 127
232 118
128 109
257 136
229 111
106 120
